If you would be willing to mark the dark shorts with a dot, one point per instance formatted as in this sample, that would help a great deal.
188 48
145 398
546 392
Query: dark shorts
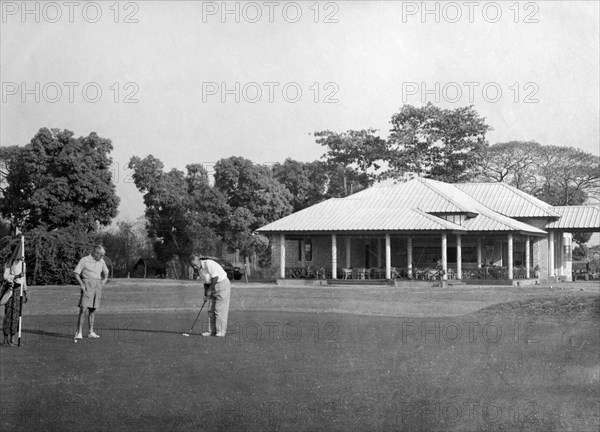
91 295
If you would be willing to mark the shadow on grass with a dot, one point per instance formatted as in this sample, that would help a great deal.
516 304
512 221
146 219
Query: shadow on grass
70 336
145 330
48 333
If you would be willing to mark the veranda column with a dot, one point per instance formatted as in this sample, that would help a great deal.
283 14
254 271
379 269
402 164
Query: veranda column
479 247
551 253
378 252
527 256
333 256
409 255
445 255
458 256
560 240
348 252
388 257
282 256
510 256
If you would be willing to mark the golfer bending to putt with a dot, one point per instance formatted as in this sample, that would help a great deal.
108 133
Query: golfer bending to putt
217 292
88 273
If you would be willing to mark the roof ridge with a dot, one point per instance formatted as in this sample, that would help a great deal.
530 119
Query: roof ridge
440 193
484 210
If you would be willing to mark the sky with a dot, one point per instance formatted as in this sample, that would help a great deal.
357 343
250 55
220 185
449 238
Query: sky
195 82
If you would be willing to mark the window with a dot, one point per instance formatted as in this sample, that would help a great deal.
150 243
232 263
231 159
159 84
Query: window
305 250
308 250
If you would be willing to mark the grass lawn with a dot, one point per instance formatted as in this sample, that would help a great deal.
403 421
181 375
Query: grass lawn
305 359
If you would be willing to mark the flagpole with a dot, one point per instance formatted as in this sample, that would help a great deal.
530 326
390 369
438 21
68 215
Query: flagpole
22 286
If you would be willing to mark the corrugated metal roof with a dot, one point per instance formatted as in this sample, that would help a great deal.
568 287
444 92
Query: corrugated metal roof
348 214
411 194
576 217
391 206
487 219
486 223
508 200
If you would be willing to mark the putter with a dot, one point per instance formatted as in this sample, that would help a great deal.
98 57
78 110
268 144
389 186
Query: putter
197 316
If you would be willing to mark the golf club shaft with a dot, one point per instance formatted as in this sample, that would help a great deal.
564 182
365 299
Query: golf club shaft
198 316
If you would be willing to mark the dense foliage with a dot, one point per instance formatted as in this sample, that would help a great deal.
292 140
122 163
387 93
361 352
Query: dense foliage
556 175
58 181
437 143
58 190
51 256
183 212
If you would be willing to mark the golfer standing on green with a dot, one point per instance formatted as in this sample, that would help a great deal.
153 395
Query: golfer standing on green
218 291
89 273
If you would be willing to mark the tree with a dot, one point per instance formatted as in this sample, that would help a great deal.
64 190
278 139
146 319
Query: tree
253 187
580 252
307 182
125 245
51 256
360 153
183 212
567 176
255 198
343 181
512 162
59 181
441 144
556 175
437 143
581 238
239 235
7 156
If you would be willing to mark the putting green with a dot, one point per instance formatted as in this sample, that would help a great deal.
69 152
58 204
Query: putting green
499 369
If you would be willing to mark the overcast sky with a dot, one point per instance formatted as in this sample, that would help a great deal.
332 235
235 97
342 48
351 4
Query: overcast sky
530 68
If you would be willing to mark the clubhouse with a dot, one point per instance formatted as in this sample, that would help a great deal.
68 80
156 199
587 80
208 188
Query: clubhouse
421 229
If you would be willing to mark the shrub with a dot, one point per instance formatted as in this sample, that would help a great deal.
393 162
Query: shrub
51 256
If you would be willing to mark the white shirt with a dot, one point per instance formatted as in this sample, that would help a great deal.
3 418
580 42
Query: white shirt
205 276
16 269
212 269
89 268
